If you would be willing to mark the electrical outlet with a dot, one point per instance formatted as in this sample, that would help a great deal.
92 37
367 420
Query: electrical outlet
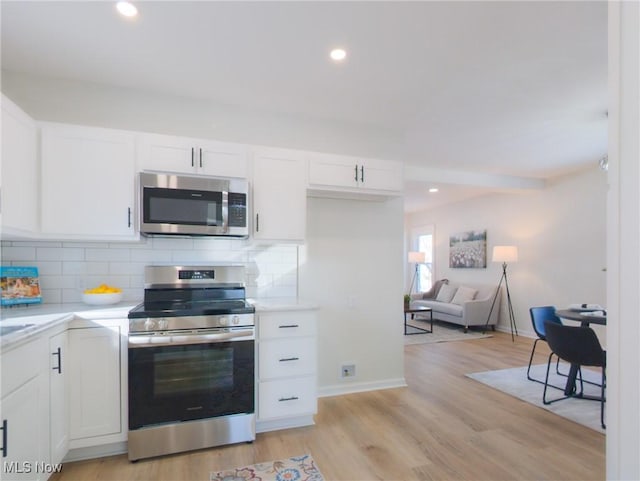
348 370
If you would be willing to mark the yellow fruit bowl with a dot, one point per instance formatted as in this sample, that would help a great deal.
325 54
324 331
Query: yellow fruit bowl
102 295
102 299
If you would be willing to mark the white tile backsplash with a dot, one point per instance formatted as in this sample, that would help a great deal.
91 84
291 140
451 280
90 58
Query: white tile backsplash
67 268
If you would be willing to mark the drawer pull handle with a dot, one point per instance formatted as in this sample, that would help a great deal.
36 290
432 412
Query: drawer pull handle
59 366
289 359
288 326
292 398
4 438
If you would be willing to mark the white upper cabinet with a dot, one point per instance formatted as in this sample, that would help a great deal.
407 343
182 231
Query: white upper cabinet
329 172
279 195
185 155
19 171
88 177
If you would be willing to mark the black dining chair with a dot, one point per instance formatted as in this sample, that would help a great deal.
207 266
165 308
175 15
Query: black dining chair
540 315
580 346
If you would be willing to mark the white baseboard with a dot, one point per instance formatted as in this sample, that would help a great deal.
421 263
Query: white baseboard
507 330
353 387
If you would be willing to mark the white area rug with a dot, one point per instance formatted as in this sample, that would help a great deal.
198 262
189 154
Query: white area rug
514 382
442 332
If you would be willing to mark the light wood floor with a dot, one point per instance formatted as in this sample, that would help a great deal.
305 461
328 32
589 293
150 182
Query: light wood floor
444 426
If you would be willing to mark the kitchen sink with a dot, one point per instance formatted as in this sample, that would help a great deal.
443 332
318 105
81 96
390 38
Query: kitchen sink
4 330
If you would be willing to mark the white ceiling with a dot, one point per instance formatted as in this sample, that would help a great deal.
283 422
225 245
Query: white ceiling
509 88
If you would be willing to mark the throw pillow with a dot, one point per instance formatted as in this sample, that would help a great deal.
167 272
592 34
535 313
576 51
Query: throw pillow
433 292
446 293
464 294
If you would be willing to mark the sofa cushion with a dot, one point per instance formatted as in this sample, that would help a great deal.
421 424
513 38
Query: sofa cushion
441 307
464 294
446 293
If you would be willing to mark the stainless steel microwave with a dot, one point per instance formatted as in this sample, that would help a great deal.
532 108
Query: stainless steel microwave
173 204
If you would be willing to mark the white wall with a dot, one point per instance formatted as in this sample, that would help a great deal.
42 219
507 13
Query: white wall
352 266
66 268
98 105
560 233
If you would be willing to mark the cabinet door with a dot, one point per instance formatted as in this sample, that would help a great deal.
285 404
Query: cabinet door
59 422
379 175
19 170
333 170
186 155
284 325
94 370
287 397
279 195
87 182
280 358
23 432
222 159
166 153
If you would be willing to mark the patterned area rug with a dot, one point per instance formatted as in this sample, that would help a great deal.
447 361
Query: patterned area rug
442 332
299 468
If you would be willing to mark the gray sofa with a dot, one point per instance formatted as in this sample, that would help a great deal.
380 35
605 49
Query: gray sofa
470 309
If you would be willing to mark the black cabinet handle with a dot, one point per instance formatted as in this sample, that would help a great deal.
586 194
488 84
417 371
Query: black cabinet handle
289 359
193 153
286 326
59 366
200 158
257 222
4 438
128 216
356 172
292 398
362 173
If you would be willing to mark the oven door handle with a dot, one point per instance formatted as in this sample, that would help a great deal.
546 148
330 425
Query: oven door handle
137 341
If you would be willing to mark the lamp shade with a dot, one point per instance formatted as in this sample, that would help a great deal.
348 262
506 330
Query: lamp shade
505 254
416 257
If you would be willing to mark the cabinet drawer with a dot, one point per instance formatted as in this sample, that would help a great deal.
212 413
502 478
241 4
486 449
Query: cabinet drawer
23 363
287 397
286 324
287 357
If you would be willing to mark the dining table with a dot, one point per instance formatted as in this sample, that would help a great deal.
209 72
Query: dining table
585 317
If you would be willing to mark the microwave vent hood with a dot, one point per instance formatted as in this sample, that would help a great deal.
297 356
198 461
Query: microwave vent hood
181 205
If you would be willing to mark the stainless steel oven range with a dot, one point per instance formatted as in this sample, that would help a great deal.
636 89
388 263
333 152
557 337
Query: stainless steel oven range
191 361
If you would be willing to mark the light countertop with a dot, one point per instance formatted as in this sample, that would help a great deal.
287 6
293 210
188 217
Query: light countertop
45 316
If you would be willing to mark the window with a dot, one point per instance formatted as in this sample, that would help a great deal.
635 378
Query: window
425 271
421 240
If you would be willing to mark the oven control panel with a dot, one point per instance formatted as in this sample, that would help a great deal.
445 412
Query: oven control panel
156 324
193 275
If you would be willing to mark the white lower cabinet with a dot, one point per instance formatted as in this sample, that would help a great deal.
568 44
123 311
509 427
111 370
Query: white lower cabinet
24 413
58 402
94 390
287 369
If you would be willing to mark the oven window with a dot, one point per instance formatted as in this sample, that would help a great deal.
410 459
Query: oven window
192 372
173 383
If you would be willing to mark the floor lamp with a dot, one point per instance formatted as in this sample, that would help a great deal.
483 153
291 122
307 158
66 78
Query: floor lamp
505 254
416 258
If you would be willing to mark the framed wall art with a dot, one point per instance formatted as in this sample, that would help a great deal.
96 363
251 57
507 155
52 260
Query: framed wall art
468 249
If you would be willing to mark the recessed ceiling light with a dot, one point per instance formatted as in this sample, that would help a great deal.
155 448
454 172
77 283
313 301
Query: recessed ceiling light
433 190
338 54
127 9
